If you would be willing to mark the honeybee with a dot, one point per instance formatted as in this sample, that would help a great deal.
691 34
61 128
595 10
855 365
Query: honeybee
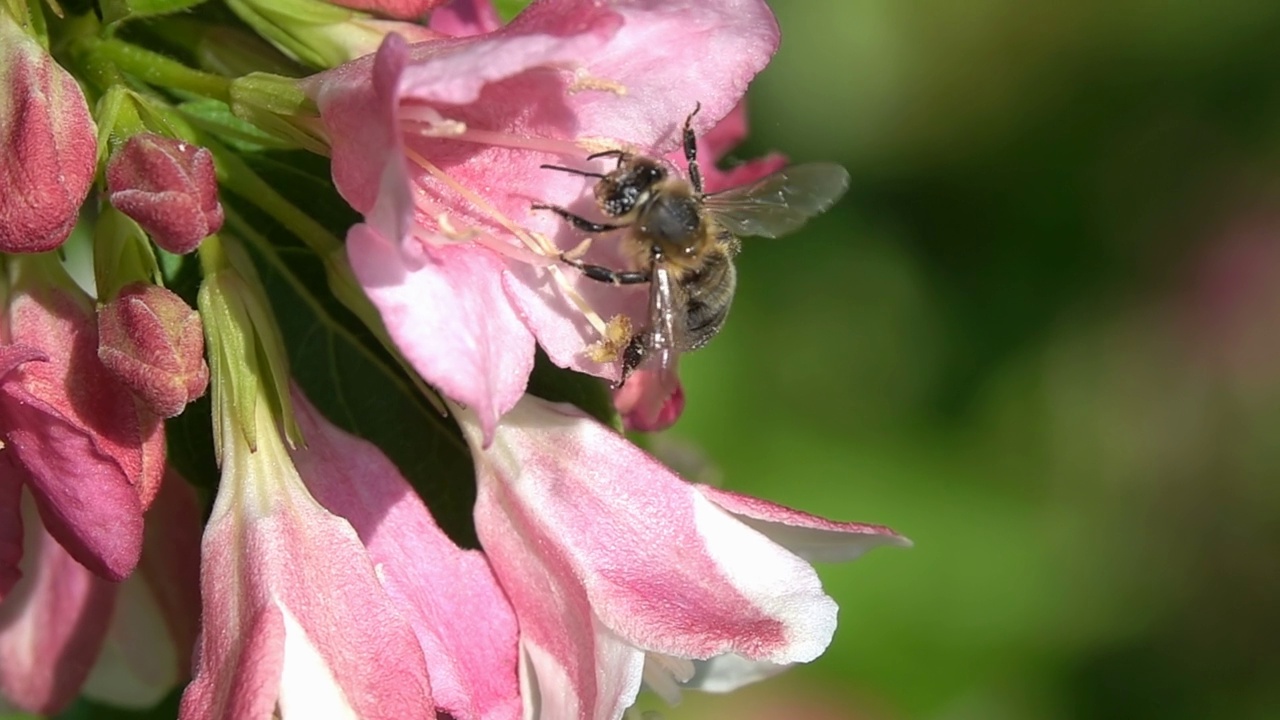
684 240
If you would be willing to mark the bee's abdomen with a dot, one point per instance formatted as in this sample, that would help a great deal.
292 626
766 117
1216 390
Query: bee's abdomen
710 294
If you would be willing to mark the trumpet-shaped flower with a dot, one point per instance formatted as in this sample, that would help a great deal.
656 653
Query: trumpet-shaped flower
330 591
295 621
621 571
439 146
464 623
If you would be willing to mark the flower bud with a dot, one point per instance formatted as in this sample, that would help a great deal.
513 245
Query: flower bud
401 9
48 145
168 187
153 343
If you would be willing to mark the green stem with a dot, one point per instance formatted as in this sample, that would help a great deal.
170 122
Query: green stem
159 70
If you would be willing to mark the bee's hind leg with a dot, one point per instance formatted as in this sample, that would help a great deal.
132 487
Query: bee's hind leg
634 354
578 221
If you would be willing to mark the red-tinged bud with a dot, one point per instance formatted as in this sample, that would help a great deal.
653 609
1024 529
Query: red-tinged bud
167 186
402 9
153 343
48 145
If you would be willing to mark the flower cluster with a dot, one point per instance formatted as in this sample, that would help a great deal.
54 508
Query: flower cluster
310 552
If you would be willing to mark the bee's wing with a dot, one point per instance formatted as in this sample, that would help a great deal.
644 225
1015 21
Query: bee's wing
779 203
666 321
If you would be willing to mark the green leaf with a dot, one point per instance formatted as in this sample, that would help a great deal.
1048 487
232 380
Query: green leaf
589 393
508 9
118 10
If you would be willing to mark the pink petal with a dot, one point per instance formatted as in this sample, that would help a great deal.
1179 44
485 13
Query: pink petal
156 621
462 619
294 613
52 624
809 536
464 18
449 315
170 564
661 567
574 665
83 499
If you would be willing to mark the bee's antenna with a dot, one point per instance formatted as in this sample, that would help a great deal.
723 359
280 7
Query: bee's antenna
572 171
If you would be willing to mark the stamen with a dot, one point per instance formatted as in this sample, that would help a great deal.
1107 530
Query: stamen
455 130
428 122
533 241
578 250
598 145
663 674
582 80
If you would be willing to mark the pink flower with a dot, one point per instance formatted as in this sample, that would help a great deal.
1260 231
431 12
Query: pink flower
58 618
168 187
439 145
463 621
48 145
620 571
311 614
90 455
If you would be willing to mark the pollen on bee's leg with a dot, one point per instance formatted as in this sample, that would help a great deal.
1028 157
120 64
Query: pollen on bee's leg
614 340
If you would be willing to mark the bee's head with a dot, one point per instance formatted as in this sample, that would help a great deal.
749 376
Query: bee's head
629 185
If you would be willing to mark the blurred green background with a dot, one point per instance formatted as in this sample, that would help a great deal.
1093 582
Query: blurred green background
1041 337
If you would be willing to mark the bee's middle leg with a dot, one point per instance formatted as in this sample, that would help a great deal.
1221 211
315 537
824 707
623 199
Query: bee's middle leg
578 221
600 273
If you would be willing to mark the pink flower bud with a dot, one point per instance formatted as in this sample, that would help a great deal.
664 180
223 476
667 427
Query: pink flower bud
48 145
168 187
153 343
402 9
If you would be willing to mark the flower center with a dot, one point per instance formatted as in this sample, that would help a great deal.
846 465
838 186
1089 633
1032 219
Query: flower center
543 252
